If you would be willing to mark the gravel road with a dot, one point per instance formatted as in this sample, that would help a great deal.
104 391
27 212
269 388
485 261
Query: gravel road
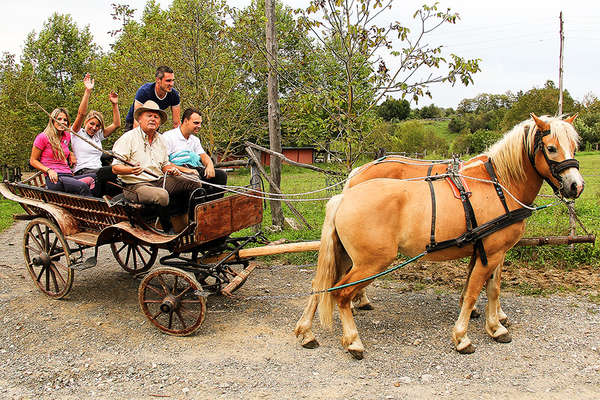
97 344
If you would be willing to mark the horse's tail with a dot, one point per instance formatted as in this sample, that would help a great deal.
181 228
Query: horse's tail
328 270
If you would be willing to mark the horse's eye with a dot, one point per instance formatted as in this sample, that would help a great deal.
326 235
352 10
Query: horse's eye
551 149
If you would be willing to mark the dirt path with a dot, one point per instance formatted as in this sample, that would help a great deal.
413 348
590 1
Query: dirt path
97 344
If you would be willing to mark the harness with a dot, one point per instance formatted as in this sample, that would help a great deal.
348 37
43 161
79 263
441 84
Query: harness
555 167
474 233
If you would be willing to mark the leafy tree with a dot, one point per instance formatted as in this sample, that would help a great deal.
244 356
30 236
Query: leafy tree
486 102
542 101
362 48
61 54
457 124
481 139
588 122
430 111
394 109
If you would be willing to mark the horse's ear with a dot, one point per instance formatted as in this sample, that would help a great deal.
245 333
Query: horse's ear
542 126
571 118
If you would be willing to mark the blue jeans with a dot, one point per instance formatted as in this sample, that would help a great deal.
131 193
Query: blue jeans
69 184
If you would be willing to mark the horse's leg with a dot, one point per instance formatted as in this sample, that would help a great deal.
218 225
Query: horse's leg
304 324
479 275
363 302
350 338
496 280
493 325
474 312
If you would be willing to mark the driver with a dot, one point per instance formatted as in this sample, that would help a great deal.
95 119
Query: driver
144 147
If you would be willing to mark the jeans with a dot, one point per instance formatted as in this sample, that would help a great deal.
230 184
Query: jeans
104 175
70 184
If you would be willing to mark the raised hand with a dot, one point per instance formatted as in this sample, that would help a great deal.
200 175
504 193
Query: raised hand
88 81
113 97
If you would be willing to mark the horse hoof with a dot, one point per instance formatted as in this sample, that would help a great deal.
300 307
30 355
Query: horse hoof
311 344
504 338
366 307
467 350
357 354
475 314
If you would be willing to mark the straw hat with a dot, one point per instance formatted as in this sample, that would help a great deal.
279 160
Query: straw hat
150 105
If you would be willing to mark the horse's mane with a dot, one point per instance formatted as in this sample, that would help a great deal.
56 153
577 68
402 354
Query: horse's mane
507 153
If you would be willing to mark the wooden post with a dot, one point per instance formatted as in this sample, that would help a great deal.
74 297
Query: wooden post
273 96
572 221
560 68
255 184
254 157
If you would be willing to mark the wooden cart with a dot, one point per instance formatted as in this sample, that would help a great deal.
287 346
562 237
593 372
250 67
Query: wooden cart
202 259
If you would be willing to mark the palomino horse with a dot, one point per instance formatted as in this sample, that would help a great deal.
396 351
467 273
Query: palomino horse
368 224
398 167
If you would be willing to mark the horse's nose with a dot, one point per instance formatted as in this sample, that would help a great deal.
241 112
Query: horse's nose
575 189
580 187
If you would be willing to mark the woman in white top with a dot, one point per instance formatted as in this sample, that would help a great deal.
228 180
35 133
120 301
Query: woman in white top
88 157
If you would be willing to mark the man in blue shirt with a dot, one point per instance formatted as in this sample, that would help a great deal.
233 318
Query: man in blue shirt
161 92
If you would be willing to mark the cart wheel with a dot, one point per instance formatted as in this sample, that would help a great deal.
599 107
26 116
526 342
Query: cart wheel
134 257
47 256
169 300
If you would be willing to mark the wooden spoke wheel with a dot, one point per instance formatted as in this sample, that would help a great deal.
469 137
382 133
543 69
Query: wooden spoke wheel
134 257
169 299
47 258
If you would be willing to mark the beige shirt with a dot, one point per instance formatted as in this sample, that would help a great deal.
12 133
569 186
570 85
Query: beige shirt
134 146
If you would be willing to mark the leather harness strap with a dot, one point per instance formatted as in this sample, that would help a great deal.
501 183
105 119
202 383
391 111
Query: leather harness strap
475 233
433 206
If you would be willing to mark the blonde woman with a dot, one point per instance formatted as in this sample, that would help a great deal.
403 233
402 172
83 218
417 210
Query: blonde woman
50 154
94 131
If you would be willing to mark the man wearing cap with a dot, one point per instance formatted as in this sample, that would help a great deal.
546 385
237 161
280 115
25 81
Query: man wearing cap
161 91
185 149
144 147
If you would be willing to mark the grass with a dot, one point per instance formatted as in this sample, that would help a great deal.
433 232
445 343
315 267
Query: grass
7 210
440 128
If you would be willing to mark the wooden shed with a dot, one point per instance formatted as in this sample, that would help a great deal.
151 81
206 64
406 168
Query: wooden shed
305 155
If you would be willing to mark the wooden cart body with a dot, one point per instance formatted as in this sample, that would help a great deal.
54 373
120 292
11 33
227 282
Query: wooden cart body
202 259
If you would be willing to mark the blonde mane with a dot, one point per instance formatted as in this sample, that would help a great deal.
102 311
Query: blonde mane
507 153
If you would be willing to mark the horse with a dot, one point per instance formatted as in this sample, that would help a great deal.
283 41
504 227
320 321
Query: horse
367 225
399 167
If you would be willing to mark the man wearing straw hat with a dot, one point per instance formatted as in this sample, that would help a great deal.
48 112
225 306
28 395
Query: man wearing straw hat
144 147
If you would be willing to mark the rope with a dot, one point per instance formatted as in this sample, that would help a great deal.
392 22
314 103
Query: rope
332 289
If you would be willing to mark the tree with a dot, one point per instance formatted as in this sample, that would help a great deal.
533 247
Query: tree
363 49
61 55
539 101
429 112
394 109
192 37
588 122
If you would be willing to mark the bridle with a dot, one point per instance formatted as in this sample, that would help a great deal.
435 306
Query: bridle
555 167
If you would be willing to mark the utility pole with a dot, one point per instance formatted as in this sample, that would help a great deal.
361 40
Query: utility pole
560 67
274 126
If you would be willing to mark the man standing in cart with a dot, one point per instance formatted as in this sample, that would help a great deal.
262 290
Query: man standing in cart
162 92
185 149
144 181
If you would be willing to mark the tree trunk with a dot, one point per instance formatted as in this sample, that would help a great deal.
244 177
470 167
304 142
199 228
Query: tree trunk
273 94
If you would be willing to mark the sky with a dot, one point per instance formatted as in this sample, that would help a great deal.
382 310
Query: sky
516 40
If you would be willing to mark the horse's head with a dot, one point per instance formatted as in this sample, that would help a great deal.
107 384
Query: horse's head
552 155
